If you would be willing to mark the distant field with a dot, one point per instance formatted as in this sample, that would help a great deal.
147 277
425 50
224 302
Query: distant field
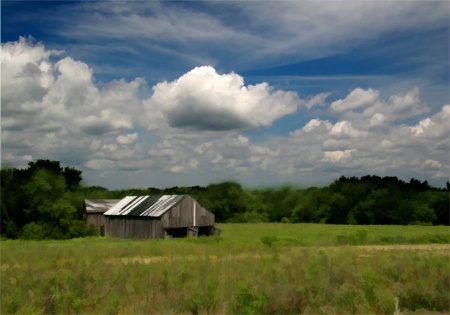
251 269
328 234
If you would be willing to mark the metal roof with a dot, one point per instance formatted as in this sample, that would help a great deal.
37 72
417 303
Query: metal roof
144 206
99 205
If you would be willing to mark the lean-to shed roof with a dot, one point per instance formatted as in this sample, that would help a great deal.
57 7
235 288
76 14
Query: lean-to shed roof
99 205
144 206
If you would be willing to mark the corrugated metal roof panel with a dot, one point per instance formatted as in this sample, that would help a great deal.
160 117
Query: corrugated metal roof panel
161 205
99 205
144 206
118 206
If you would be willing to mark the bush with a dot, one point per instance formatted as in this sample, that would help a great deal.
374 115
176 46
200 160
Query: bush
269 240
33 231
247 302
92 230
285 220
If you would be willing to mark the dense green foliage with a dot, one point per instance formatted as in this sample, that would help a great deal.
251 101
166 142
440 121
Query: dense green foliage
45 201
42 202
365 200
268 268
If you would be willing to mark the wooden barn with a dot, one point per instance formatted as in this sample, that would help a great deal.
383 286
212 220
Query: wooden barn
159 217
93 211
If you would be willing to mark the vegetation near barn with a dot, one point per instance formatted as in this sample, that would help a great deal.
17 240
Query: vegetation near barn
251 269
45 201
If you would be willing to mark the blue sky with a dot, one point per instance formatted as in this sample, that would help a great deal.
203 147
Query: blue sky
149 93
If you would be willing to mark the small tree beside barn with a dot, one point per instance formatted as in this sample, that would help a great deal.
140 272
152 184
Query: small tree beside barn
159 217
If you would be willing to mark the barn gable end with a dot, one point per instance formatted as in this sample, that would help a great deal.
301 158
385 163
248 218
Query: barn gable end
187 213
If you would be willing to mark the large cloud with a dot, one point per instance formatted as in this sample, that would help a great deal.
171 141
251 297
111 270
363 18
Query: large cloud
53 107
202 99
398 107
202 127
368 108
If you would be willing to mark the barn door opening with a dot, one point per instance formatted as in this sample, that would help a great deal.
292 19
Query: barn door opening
204 231
177 232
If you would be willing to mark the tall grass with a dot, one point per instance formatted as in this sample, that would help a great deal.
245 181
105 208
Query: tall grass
237 273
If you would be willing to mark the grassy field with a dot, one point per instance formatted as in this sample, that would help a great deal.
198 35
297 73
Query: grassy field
250 269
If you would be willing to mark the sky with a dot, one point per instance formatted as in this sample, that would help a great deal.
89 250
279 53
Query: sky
167 93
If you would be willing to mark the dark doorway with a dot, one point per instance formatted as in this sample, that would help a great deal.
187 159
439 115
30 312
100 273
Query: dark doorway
204 231
179 232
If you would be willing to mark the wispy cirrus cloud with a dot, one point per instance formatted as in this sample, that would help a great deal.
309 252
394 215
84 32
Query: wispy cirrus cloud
250 35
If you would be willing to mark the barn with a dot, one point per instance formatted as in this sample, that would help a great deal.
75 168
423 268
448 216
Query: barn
166 216
93 211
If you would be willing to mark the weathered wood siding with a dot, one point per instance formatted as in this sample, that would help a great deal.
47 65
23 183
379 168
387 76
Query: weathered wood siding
177 218
182 215
97 219
133 227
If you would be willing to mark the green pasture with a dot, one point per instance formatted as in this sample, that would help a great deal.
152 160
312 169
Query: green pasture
309 234
250 269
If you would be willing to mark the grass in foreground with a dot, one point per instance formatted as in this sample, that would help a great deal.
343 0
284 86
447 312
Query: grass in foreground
252 269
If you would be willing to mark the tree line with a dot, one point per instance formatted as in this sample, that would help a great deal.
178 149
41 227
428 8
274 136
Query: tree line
45 201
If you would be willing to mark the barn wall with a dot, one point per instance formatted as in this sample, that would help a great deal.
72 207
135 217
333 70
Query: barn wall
133 227
182 215
97 219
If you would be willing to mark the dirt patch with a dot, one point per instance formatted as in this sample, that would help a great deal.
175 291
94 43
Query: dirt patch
418 249
431 247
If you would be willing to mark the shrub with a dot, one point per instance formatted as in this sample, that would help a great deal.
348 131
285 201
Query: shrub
269 240
248 302
285 220
33 231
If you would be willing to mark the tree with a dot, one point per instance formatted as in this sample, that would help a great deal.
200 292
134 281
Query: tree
224 200
312 206
49 206
42 201
72 177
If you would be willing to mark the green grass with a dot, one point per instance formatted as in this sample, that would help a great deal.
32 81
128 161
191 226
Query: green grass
251 269
328 234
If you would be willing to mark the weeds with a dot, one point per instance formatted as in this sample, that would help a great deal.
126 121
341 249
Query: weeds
247 301
269 240
229 275
357 238
396 306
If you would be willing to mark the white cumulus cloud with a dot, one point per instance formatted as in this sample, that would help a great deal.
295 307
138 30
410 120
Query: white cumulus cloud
338 155
202 99
358 98
50 102
200 127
